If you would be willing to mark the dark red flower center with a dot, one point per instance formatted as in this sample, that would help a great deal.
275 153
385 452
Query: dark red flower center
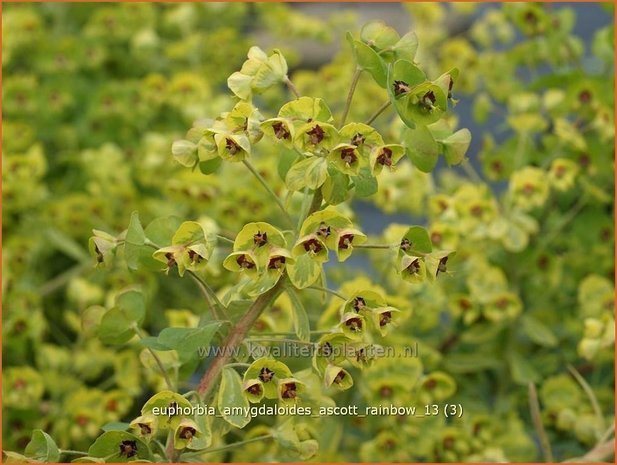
359 303
128 448
280 131
345 241
260 239
245 262
254 389
348 156
316 135
313 245
266 375
400 87
385 157
187 432
290 391
231 146
414 266
385 318
354 324
358 140
276 263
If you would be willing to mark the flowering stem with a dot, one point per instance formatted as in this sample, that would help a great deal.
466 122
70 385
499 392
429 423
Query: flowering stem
269 189
213 301
170 450
471 171
170 385
329 291
236 336
292 87
378 112
73 452
352 89
289 333
376 246
225 239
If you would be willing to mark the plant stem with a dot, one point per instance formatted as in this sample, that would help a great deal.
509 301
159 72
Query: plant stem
225 239
270 191
170 385
378 112
170 450
534 406
352 89
316 203
238 365
329 291
289 333
231 446
236 336
292 87
376 246
587 388
73 452
213 301
471 171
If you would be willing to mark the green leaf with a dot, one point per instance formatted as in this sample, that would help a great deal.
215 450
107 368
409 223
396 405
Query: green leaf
135 240
302 327
295 179
410 74
266 281
521 370
538 332
231 397
287 158
42 447
368 60
116 325
419 239
316 173
455 146
108 444
188 340
305 109
210 166
304 272
335 189
406 47
379 34
365 183
422 148
116 426
161 230
185 152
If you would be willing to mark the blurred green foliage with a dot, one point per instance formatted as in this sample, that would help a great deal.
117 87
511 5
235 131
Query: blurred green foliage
93 97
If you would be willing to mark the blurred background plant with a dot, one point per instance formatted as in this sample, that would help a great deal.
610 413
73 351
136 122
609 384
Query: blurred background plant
94 95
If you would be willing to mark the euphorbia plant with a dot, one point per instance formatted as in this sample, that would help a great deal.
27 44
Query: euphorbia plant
325 161
273 289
